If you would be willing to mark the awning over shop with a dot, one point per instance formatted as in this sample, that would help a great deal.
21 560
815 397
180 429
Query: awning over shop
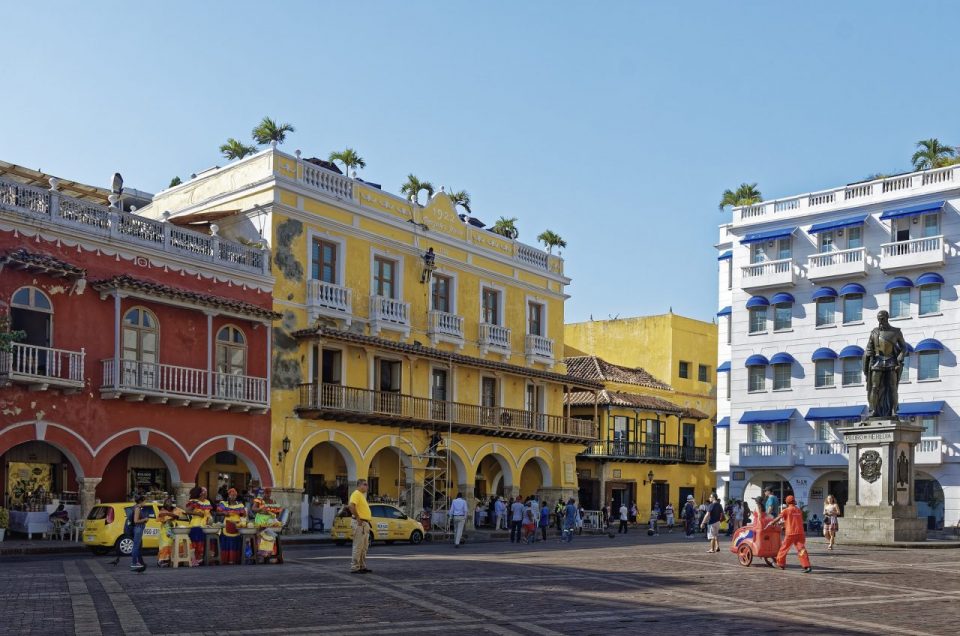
782 358
726 311
767 417
824 292
930 278
756 360
836 224
769 235
725 255
835 412
898 282
851 351
852 288
724 368
912 210
758 301
921 408
929 344
782 298
723 422
823 353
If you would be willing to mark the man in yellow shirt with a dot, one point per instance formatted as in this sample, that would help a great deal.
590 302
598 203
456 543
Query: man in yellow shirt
360 510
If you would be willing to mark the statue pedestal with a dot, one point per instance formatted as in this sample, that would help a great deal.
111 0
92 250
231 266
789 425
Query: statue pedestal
881 509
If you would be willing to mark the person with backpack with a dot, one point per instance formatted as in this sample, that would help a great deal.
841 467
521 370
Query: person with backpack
138 521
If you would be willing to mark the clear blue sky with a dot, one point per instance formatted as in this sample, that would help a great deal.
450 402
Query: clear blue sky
617 125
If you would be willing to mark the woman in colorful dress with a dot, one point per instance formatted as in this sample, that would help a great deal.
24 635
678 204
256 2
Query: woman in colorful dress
168 516
233 512
266 521
198 508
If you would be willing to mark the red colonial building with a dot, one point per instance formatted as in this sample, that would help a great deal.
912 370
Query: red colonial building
141 362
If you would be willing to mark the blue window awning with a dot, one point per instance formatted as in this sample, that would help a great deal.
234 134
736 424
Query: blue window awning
724 368
769 235
852 288
824 353
757 301
835 412
726 311
756 360
921 408
782 298
930 278
767 417
782 358
929 344
836 224
851 351
725 255
909 347
912 210
825 292
898 282
723 422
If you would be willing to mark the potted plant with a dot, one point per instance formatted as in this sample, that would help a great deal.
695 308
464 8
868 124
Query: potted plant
4 522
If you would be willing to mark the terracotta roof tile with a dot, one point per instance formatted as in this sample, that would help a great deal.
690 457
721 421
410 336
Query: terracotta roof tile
124 281
627 400
595 368
438 354
42 263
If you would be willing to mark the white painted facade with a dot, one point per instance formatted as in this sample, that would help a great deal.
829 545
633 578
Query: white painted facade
807 455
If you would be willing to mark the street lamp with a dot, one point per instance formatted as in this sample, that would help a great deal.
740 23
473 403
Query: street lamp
285 445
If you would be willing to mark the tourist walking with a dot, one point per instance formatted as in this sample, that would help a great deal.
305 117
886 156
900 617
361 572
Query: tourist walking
544 520
458 514
516 520
771 503
634 513
654 518
138 521
831 511
792 520
623 519
711 522
500 510
571 517
668 512
689 516
362 520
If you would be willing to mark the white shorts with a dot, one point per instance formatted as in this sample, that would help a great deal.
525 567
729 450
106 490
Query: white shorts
713 530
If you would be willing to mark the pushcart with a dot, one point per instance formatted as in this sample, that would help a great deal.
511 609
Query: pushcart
754 541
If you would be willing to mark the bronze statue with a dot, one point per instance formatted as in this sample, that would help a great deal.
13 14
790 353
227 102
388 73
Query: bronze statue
882 366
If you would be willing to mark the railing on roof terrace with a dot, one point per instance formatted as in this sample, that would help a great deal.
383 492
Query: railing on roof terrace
888 188
101 220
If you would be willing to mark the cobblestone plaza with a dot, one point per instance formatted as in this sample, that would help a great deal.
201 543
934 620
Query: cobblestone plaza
632 584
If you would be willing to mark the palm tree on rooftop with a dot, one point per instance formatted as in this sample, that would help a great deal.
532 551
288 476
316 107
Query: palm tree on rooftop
268 131
349 158
414 186
550 240
506 227
932 154
235 149
461 198
745 194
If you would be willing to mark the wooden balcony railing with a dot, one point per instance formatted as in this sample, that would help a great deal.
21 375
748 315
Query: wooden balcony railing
645 452
349 403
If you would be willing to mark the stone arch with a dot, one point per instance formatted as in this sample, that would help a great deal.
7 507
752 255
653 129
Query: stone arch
546 478
753 488
346 445
254 457
398 442
815 506
173 454
74 448
543 458
507 466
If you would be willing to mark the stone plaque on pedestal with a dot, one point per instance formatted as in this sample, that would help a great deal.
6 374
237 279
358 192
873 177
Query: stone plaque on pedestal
880 506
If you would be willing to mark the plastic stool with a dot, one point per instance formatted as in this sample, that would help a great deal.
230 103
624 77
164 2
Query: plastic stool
181 551
211 545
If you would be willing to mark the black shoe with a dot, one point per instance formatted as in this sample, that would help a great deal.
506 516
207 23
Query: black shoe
366 571
356 571
807 570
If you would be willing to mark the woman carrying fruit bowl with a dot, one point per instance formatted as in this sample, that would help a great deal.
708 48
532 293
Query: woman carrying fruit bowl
234 516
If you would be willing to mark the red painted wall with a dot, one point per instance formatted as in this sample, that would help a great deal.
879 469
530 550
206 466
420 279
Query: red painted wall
87 321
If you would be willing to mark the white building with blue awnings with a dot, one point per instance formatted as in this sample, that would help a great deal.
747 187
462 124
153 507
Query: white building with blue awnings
800 282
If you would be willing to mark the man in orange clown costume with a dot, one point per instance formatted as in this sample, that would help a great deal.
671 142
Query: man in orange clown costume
792 520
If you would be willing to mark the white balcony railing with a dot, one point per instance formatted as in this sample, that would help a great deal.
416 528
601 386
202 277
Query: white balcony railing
186 384
539 346
327 181
328 299
58 209
912 253
766 454
446 324
837 263
929 451
389 310
41 367
768 273
826 448
494 337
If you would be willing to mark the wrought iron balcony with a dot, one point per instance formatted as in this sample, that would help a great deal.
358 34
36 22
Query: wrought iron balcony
42 368
344 403
183 386
647 453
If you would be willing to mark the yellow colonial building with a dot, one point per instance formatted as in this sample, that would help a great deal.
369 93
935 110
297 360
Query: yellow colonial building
656 412
416 349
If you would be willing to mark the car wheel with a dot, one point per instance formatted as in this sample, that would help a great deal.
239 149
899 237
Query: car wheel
124 546
416 537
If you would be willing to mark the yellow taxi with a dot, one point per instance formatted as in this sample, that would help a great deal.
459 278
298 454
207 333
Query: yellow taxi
103 529
389 524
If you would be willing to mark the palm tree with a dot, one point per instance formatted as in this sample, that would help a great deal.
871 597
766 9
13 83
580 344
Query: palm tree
746 194
931 154
461 198
268 130
550 240
235 149
349 158
413 186
506 227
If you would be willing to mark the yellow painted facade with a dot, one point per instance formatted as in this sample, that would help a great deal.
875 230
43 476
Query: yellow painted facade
360 353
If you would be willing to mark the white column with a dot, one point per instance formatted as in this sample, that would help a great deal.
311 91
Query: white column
209 354
269 330
116 339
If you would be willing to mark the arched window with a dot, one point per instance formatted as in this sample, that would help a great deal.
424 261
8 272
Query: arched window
32 312
141 335
231 351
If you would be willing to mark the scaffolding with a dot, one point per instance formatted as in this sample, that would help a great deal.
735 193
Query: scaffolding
436 483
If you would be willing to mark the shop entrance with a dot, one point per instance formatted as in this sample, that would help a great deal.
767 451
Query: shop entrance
685 491
838 489
659 494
